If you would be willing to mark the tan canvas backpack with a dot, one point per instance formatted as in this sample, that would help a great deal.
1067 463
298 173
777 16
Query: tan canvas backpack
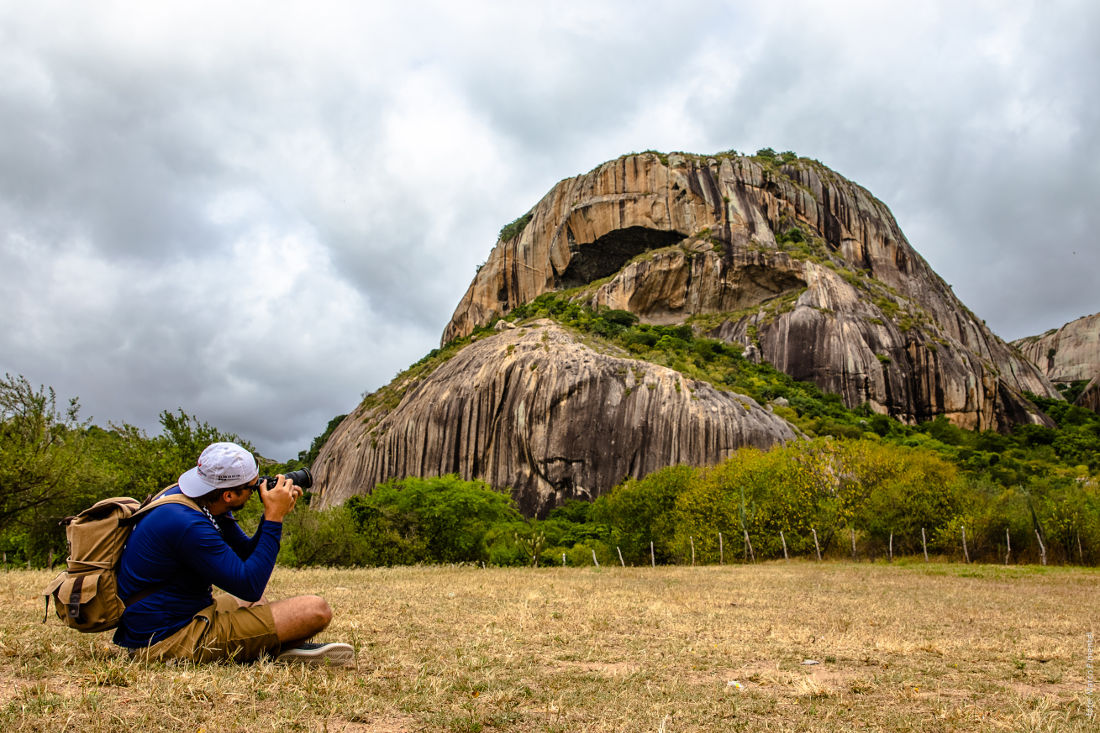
85 595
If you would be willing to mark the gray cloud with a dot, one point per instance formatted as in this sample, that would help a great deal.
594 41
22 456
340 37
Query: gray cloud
256 214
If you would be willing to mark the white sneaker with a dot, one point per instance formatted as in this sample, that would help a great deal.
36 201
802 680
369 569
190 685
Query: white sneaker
334 654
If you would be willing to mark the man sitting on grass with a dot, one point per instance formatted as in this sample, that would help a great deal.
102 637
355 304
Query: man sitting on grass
176 552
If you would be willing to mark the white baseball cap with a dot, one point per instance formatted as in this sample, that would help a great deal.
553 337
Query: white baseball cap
221 466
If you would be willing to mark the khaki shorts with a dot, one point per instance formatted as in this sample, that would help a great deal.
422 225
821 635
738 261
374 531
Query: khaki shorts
221 631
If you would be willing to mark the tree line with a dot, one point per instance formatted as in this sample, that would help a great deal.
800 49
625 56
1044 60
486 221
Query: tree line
820 495
54 464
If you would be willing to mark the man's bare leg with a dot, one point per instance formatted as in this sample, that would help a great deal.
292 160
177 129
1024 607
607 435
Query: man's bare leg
299 618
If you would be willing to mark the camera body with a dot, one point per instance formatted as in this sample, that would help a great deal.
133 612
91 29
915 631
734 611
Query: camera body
302 478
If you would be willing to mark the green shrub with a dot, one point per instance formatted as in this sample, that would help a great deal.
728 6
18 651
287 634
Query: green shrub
514 228
328 538
442 519
619 317
580 555
1068 510
640 511
791 235
905 490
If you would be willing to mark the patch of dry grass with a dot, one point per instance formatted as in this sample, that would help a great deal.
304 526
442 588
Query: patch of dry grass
902 647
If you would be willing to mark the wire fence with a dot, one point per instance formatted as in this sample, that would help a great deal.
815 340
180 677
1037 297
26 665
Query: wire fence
862 547
852 544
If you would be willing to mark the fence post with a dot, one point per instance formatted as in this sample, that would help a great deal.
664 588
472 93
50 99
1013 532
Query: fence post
49 560
1042 548
594 560
924 543
891 547
853 543
966 553
652 557
721 551
563 559
1008 545
692 541
1080 551
816 546
784 541
621 562
748 546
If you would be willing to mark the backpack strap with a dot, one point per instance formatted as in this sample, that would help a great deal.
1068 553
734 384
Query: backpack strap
170 499
159 499
74 600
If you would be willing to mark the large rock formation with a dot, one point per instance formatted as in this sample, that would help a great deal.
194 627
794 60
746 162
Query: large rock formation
1069 354
1066 354
533 409
805 269
781 254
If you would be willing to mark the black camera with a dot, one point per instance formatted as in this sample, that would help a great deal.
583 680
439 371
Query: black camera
301 478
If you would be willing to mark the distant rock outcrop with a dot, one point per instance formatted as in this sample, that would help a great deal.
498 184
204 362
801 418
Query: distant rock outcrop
1090 397
778 253
1069 354
535 410
1066 354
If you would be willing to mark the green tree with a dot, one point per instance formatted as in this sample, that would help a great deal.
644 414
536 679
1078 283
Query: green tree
1069 511
46 469
442 519
41 448
906 490
640 511
144 465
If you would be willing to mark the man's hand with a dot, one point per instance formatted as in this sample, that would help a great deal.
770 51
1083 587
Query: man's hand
280 499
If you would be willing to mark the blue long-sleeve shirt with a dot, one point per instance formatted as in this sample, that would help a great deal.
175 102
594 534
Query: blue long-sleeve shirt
176 551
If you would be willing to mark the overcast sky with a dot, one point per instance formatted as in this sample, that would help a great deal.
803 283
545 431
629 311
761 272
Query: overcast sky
259 211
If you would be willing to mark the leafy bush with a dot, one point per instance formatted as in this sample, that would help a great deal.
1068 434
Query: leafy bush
329 538
442 519
906 490
514 228
790 235
754 491
641 511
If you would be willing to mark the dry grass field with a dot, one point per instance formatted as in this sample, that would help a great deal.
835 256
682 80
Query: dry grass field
907 646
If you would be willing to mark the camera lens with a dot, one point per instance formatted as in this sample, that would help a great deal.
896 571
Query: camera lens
302 477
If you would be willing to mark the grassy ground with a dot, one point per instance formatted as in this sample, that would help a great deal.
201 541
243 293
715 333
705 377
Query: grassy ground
901 647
